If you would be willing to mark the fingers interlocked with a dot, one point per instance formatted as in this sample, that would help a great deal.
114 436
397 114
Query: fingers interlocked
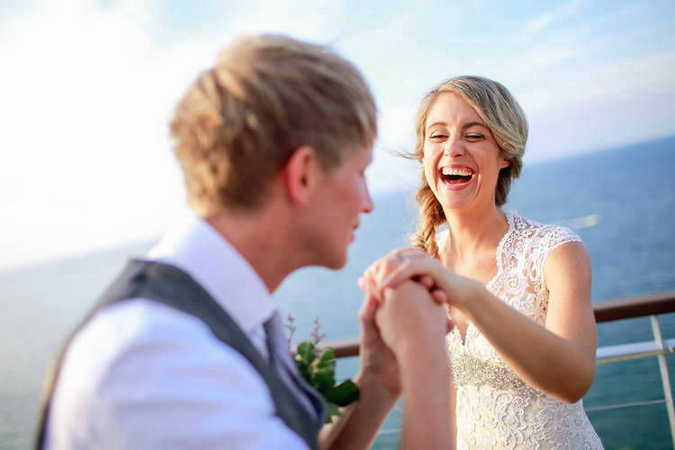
375 278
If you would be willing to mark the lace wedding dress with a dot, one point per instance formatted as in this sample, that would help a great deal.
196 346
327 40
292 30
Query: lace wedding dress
495 409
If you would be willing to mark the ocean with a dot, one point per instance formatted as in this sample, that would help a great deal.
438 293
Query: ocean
620 201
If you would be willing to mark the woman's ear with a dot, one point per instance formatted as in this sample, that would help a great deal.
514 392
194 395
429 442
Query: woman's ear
299 175
503 163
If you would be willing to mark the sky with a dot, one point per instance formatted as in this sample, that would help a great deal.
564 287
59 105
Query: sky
87 89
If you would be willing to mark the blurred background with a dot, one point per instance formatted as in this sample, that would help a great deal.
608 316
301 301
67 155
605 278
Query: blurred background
87 178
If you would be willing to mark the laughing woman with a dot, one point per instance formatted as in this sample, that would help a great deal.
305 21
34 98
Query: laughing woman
518 292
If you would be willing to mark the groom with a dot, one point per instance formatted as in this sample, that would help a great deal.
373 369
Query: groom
185 350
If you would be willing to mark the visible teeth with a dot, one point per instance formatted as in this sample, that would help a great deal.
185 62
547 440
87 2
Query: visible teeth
465 172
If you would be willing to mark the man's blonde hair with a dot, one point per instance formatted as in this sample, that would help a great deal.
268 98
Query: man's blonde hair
506 120
266 96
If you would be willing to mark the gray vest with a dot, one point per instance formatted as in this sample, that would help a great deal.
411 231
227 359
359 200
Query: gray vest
173 287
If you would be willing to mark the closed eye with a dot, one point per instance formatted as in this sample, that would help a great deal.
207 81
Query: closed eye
438 136
474 136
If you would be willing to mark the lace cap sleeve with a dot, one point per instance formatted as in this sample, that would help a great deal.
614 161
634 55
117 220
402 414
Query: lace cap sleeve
553 237
558 235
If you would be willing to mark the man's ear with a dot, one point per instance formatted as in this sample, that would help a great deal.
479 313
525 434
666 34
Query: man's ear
300 175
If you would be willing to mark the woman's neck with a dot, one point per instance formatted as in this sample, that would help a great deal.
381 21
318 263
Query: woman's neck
471 232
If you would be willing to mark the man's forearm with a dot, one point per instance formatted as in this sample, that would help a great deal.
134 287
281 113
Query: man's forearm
415 328
357 427
426 378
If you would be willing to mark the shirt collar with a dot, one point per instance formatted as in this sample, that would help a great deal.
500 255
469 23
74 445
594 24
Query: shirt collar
213 262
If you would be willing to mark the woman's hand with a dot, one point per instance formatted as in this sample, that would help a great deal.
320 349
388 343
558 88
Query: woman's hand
380 269
400 265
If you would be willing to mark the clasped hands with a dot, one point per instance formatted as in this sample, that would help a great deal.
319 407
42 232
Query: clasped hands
405 298
405 312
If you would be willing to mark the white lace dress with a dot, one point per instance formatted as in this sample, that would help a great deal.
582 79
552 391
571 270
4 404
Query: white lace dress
495 409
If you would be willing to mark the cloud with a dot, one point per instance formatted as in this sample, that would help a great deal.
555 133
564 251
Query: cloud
316 20
544 21
88 88
390 171
612 104
85 105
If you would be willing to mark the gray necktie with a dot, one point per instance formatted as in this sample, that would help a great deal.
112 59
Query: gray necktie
280 359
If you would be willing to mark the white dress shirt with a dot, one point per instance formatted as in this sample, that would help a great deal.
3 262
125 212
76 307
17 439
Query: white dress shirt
141 375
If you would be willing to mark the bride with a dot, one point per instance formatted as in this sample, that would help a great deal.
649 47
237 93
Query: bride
523 344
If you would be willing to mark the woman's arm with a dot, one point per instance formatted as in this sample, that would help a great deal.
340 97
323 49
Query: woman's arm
557 358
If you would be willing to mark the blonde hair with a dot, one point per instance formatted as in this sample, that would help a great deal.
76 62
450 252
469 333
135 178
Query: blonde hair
266 96
506 120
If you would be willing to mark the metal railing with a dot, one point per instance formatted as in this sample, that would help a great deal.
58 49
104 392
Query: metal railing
651 305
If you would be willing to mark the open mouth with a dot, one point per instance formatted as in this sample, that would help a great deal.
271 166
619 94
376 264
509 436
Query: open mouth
456 175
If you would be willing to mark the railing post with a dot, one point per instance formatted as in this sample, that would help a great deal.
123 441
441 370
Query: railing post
665 377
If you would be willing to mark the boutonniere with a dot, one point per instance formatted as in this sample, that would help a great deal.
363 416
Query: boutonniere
317 365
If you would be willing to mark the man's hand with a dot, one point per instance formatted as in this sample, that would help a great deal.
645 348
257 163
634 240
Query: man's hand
377 360
414 327
409 320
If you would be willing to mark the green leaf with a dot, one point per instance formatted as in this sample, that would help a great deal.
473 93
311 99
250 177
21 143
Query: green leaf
317 366
304 357
326 361
343 394
328 365
328 354
327 370
323 379
306 352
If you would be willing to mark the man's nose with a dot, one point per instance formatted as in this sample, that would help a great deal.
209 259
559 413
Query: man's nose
367 206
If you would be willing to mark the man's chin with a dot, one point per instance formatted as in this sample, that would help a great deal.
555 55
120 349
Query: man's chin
337 265
338 262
